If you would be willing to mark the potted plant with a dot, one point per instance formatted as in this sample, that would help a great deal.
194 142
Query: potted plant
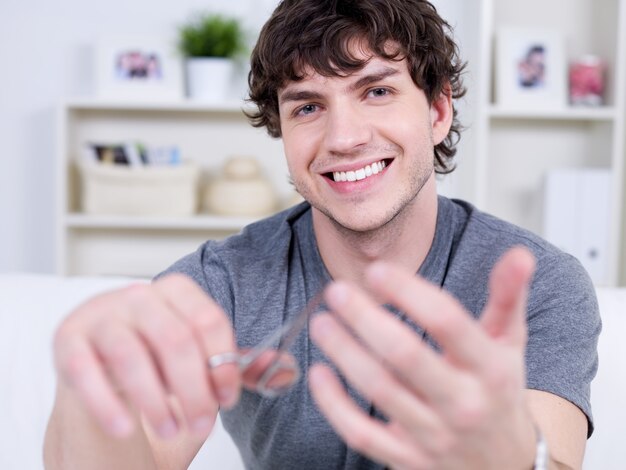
210 43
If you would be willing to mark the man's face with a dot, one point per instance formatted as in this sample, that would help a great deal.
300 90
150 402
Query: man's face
360 148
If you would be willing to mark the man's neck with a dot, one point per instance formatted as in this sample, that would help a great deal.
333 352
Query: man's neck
405 240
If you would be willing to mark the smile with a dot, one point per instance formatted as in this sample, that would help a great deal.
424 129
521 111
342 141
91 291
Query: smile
361 173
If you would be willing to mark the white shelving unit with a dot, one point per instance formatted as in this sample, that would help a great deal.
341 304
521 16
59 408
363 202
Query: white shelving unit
515 148
142 246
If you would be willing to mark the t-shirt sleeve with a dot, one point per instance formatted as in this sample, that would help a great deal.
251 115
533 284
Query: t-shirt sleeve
563 328
207 270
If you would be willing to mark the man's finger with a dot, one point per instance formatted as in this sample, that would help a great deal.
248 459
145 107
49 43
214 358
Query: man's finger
177 354
80 369
212 329
360 431
505 313
133 371
367 374
441 315
397 344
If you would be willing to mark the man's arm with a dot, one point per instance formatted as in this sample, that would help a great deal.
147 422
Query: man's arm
563 425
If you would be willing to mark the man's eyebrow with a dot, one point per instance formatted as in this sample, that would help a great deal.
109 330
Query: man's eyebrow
373 78
299 95
306 95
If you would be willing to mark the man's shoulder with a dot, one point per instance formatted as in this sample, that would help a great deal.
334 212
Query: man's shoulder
482 241
485 233
262 242
262 238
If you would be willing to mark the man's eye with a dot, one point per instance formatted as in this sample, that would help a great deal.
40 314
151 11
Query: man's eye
307 109
377 92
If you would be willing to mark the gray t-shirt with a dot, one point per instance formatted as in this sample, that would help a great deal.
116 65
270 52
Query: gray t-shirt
265 275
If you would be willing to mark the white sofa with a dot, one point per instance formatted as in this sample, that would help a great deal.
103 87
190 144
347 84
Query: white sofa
32 305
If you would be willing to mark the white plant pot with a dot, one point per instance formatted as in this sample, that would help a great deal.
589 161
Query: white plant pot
209 79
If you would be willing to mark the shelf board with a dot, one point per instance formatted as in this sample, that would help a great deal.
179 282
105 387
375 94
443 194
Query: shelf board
605 113
198 222
95 104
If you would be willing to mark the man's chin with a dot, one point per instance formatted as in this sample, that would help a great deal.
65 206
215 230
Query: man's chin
362 224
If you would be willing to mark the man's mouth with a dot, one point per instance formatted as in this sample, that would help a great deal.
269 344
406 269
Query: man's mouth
359 174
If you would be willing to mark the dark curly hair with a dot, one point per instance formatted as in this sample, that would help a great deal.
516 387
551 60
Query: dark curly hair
318 33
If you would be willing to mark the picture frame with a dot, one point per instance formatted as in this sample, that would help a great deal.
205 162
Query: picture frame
531 69
138 68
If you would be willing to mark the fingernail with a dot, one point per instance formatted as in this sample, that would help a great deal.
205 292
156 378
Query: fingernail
121 426
168 429
203 424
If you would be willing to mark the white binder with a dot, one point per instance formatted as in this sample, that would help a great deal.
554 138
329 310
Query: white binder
576 216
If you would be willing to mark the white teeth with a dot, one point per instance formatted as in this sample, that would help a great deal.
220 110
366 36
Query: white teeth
360 174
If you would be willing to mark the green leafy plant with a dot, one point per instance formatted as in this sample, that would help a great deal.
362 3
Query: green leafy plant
211 35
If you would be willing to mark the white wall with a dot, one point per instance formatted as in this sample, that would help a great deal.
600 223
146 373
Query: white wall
45 56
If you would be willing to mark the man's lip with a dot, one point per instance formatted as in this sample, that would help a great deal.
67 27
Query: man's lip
355 166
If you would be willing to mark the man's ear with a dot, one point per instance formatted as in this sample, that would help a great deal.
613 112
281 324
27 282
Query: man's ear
441 114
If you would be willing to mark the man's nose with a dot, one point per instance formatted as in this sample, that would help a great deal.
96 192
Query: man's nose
346 129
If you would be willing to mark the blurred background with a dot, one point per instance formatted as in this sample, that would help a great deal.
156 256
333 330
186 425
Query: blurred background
113 163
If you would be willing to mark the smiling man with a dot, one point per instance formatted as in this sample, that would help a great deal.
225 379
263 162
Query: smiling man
453 340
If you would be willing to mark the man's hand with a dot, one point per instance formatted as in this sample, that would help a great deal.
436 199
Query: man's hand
135 348
464 408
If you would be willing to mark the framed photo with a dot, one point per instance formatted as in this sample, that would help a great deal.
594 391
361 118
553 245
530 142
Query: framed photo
531 69
138 68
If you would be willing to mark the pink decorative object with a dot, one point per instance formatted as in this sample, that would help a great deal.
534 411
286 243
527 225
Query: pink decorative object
586 81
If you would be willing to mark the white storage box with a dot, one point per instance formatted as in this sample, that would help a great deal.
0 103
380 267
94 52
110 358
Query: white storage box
145 190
